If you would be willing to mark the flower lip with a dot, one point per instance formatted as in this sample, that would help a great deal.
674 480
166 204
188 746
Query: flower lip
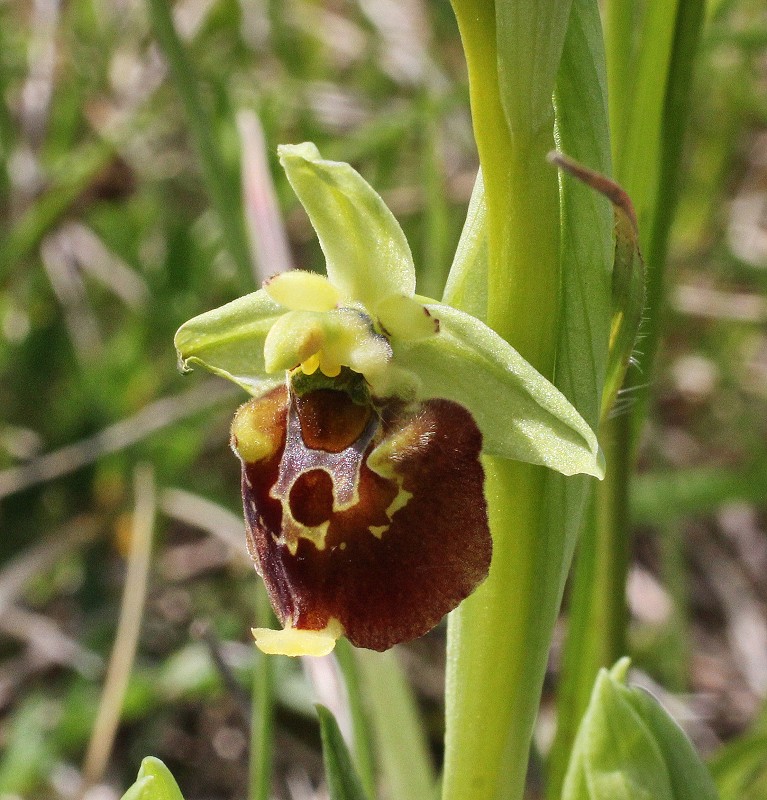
394 554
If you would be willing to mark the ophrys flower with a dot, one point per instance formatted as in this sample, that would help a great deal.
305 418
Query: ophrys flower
362 484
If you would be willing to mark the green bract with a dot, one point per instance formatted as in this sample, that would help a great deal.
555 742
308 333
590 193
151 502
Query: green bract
153 782
366 316
629 748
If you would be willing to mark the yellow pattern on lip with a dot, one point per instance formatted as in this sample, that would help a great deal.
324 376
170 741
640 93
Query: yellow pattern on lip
294 642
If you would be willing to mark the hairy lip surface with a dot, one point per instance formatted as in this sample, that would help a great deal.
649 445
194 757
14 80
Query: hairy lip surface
388 556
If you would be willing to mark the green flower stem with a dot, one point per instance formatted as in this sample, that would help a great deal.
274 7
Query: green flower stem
498 639
496 651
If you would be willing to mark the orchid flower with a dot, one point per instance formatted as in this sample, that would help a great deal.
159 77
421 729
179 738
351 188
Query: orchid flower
361 475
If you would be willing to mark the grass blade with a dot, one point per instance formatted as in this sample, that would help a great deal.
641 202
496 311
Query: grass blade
223 194
128 628
398 730
343 782
363 748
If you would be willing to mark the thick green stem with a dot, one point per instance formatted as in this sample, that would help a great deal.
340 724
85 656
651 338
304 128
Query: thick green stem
498 639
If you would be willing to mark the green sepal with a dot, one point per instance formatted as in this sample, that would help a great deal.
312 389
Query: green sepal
342 778
153 782
629 748
229 341
520 414
466 286
366 252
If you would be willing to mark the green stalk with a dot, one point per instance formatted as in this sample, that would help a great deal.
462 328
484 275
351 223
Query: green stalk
498 639
361 744
401 745
224 196
262 711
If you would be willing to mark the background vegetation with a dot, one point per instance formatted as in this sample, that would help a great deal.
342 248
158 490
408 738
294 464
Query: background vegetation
121 179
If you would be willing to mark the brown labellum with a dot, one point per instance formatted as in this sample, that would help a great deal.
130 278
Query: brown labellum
367 515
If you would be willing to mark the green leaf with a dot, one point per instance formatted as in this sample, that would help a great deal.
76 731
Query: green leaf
362 744
531 37
401 743
520 414
367 255
153 782
740 767
229 341
690 780
343 782
629 748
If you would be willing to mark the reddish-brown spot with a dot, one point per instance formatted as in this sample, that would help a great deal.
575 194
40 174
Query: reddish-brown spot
330 421
435 552
311 498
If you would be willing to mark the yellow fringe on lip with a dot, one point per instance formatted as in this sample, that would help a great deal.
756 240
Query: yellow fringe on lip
294 642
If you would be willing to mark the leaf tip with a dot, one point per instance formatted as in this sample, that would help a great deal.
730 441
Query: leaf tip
305 151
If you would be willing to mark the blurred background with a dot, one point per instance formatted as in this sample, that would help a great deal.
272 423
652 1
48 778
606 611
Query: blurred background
122 188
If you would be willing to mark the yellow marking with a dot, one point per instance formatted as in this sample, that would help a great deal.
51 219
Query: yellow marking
400 501
294 642
293 531
253 432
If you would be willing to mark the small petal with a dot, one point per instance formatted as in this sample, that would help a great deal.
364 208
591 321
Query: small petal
403 317
373 518
367 255
521 415
229 341
298 290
